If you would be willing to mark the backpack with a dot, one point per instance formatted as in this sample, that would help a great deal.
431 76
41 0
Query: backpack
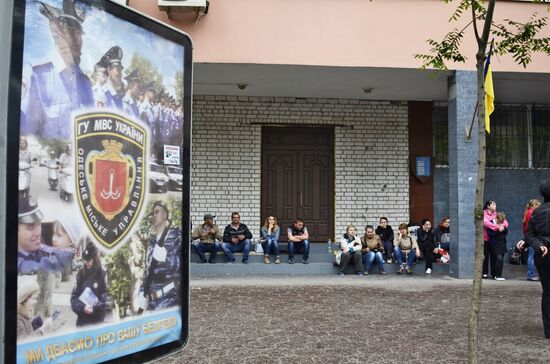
514 256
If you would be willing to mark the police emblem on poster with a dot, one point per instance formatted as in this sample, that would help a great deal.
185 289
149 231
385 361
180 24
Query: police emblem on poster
110 159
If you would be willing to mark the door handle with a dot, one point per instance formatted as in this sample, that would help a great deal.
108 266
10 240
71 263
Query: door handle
301 199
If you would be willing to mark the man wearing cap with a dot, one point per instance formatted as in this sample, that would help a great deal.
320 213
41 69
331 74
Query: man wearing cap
129 102
114 87
538 237
236 238
57 88
146 110
32 255
209 237
100 77
161 282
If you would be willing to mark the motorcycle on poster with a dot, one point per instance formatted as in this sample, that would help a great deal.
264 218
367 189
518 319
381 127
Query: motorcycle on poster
101 259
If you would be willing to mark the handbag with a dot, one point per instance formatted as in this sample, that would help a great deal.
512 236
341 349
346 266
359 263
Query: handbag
514 256
259 249
338 257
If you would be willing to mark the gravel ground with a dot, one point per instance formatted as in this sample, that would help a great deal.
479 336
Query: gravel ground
374 319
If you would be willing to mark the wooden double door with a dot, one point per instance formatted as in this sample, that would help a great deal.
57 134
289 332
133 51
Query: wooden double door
298 178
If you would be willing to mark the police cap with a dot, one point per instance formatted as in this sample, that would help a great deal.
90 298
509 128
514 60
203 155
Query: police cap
28 211
68 14
112 57
162 205
90 251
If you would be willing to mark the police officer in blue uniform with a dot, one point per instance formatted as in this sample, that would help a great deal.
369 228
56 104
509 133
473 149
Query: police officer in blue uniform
114 87
162 279
56 88
89 296
32 255
129 102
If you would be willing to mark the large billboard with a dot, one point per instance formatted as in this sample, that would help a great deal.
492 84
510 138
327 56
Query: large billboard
100 101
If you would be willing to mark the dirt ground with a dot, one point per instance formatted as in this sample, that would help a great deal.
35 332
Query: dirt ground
374 319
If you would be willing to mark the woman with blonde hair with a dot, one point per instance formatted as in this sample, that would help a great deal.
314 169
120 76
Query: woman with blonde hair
350 249
270 239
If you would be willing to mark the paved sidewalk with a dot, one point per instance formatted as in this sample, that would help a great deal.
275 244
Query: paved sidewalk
351 319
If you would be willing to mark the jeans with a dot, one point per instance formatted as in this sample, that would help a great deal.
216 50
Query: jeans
531 263
497 261
388 249
399 256
370 257
301 247
486 254
271 244
241 246
202 248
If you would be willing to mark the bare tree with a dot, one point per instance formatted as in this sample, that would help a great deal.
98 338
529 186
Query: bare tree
510 37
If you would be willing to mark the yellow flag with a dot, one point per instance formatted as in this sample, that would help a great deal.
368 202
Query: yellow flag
489 94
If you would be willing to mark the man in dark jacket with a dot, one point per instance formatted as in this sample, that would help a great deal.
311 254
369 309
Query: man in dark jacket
236 238
538 237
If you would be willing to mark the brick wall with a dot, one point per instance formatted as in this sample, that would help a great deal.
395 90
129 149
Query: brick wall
371 156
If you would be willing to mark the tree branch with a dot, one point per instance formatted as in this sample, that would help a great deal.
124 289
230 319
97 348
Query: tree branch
474 20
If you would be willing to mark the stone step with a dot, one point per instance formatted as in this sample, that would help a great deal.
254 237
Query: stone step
298 268
259 258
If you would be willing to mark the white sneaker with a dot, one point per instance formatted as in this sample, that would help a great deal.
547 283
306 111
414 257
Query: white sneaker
500 279
429 271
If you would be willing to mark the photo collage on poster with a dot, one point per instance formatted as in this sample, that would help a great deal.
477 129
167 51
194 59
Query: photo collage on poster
100 186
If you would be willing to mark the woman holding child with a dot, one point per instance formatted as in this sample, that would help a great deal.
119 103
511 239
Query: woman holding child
489 222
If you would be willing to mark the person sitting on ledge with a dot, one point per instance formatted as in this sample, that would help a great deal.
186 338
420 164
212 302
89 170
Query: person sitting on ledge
298 241
350 249
372 249
236 238
403 244
209 237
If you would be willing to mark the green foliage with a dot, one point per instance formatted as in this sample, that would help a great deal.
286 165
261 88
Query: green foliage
518 39
120 278
146 71
512 37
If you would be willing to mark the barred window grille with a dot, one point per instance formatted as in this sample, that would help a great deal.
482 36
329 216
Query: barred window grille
441 137
507 144
541 136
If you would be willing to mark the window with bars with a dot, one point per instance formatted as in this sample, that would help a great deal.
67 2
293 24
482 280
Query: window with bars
508 142
441 137
541 136
519 136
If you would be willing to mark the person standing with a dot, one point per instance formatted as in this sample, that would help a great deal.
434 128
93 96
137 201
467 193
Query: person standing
270 236
209 239
350 250
163 262
298 240
236 238
497 243
489 217
531 206
89 296
538 238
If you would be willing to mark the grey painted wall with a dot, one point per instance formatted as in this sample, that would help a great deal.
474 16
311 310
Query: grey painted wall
510 188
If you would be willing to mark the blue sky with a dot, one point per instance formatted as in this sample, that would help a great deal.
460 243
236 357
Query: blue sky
101 32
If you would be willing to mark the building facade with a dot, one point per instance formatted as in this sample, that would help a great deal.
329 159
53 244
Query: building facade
305 108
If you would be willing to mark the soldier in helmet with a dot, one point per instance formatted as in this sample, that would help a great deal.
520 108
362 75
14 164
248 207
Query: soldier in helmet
114 87
57 88
161 283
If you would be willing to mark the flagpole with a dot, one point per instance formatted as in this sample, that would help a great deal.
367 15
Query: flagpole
469 129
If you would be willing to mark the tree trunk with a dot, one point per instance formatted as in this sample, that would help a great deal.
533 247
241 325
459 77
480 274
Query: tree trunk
475 303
